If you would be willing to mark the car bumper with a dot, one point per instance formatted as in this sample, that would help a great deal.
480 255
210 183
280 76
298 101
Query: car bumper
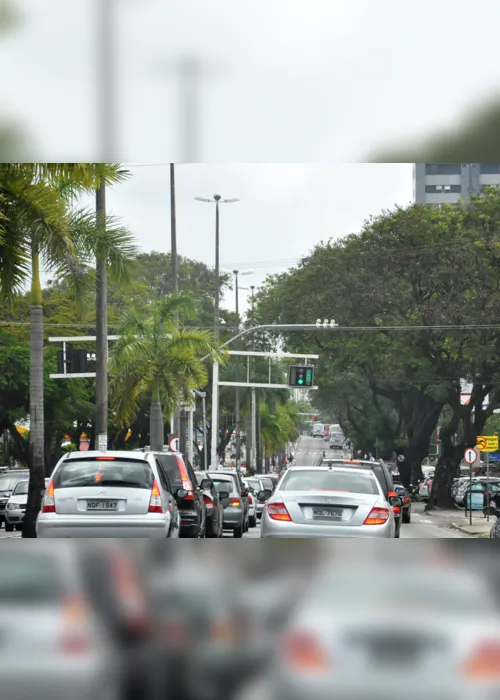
56 525
14 517
277 529
233 517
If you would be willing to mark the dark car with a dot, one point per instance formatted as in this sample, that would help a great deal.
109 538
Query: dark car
214 509
242 490
9 478
236 513
405 495
268 482
381 472
192 508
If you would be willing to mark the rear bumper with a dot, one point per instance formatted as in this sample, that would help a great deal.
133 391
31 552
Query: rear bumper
278 529
233 517
53 525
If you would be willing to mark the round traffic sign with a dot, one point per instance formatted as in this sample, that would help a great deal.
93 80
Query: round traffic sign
471 455
173 443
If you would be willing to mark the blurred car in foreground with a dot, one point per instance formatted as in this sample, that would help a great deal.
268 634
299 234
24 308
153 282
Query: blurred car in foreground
328 502
117 494
346 639
53 643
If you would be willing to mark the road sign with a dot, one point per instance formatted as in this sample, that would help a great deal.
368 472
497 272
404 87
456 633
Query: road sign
494 456
173 443
471 455
487 443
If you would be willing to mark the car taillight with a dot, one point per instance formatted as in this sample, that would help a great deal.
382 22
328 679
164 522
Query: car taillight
484 662
155 504
75 637
303 652
250 499
208 502
278 511
49 502
186 482
235 502
377 516
396 509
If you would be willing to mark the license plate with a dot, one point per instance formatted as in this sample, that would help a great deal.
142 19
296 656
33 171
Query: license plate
102 505
335 513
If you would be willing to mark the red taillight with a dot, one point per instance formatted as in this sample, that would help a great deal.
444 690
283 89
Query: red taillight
155 504
278 511
484 662
250 499
49 502
377 516
396 509
186 482
235 502
303 652
208 502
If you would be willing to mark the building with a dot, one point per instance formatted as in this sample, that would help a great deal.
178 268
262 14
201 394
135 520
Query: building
448 183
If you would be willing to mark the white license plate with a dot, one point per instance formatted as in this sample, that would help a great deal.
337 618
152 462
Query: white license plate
335 513
102 505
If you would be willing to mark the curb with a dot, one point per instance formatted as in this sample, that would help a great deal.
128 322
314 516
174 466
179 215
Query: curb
466 531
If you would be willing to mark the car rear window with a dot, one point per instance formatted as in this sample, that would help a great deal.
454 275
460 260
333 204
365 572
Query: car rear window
171 467
224 484
313 479
254 484
267 483
28 577
126 473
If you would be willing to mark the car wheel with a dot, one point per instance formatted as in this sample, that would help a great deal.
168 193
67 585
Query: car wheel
407 517
9 528
253 521
238 531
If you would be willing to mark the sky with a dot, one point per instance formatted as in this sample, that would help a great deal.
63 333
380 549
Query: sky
283 212
280 80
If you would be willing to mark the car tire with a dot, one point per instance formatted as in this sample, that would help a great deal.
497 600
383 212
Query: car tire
238 532
253 521
9 528
407 517
19 528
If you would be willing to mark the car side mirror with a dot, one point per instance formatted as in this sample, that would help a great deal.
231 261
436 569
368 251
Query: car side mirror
206 484
223 495
396 501
181 493
264 495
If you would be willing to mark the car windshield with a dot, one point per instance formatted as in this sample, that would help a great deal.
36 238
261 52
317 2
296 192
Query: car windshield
21 489
335 480
9 481
399 489
254 484
29 577
127 473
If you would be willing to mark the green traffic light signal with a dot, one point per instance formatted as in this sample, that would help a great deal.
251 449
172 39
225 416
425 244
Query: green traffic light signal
300 381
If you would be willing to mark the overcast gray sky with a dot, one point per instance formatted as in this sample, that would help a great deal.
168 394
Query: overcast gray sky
285 209
283 80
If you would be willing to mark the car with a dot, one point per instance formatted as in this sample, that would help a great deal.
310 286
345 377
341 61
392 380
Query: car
254 486
114 494
243 493
192 505
381 472
268 482
403 493
336 441
9 478
235 513
335 501
214 509
16 506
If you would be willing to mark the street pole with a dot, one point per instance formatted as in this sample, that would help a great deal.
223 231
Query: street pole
237 407
191 437
254 429
204 413
175 420
107 83
182 431
214 462
216 305
488 487
101 390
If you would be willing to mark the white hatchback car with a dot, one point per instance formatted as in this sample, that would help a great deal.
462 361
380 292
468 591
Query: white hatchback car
112 494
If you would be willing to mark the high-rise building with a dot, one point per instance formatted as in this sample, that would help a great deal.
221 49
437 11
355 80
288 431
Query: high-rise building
448 183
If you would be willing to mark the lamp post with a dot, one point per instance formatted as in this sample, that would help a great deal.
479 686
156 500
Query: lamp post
217 199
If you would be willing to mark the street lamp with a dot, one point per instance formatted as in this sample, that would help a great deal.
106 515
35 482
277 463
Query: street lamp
217 199
237 413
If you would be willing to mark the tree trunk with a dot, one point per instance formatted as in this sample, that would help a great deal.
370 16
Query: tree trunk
37 472
156 426
101 387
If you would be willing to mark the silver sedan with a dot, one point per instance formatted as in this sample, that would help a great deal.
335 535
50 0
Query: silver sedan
328 502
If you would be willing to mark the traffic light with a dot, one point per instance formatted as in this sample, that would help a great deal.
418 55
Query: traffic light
300 376
76 361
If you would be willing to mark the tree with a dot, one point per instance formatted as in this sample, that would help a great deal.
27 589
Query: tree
153 358
39 225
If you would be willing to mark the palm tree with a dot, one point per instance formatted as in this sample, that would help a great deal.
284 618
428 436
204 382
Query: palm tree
39 225
155 357
279 425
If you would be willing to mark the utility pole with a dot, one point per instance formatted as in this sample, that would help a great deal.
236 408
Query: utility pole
107 126
176 418
101 389
237 392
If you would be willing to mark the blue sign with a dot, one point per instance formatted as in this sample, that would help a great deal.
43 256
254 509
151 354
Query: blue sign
494 457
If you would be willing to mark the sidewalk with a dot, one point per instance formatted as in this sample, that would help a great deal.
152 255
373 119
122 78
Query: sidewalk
457 520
